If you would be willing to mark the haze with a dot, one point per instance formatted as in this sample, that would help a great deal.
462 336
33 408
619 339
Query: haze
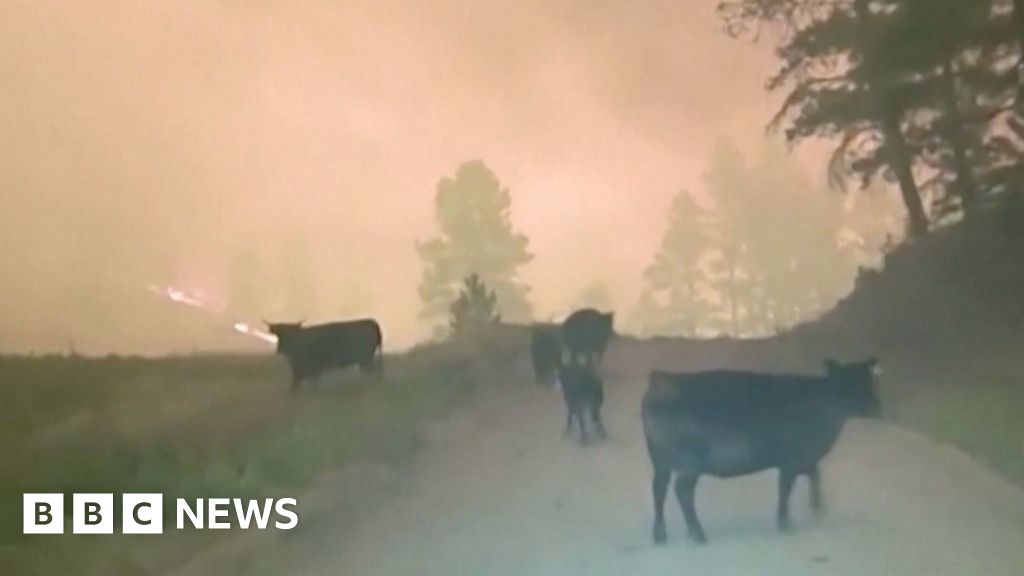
159 142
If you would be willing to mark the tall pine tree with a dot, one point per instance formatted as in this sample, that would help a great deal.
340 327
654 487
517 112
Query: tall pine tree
675 281
477 237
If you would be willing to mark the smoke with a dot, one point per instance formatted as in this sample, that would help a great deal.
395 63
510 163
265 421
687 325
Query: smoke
162 142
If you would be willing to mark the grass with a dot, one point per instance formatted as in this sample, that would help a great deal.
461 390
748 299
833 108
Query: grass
201 427
975 406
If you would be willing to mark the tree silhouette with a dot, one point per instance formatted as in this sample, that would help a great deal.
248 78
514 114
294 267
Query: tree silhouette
840 87
785 246
477 238
775 249
732 274
675 280
475 309
926 93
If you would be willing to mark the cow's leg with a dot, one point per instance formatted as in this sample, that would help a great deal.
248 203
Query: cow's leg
374 364
686 489
659 488
568 422
595 412
581 419
814 479
786 480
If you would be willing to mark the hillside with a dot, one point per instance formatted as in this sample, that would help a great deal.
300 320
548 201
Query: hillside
945 315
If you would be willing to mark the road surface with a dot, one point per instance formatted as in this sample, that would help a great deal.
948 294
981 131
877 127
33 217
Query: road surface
500 492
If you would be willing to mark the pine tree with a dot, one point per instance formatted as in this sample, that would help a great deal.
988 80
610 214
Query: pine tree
731 274
778 257
923 92
841 86
676 277
474 310
477 237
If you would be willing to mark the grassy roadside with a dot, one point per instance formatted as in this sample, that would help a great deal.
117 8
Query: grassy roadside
202 427
977 407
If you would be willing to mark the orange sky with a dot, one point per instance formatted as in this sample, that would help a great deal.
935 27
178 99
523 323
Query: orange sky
152 141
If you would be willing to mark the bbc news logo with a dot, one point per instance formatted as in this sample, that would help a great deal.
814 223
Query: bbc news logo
144 513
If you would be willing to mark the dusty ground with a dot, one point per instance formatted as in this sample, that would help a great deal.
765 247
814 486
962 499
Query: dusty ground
500 492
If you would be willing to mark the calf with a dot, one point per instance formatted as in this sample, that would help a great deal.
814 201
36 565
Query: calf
583 391
728 423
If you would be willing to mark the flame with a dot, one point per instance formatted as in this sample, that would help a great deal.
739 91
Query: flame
243 328
194 299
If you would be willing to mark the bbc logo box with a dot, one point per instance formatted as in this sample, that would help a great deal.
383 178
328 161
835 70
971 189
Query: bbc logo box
92 513
43 514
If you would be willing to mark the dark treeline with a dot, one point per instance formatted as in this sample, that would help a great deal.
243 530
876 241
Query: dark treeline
922 93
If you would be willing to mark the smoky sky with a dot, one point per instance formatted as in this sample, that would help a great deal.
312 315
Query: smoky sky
154 142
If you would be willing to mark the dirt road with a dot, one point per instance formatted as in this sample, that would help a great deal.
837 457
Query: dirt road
500 492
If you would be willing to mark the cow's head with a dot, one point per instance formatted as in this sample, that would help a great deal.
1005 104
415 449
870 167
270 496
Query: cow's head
855 385
285 333
608 321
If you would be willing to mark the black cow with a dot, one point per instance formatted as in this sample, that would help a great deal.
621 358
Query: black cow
727 423
585 334
583 391
546 351
311 350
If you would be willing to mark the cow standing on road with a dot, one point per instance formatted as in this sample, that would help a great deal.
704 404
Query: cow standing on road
585 335
312 350
727 423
